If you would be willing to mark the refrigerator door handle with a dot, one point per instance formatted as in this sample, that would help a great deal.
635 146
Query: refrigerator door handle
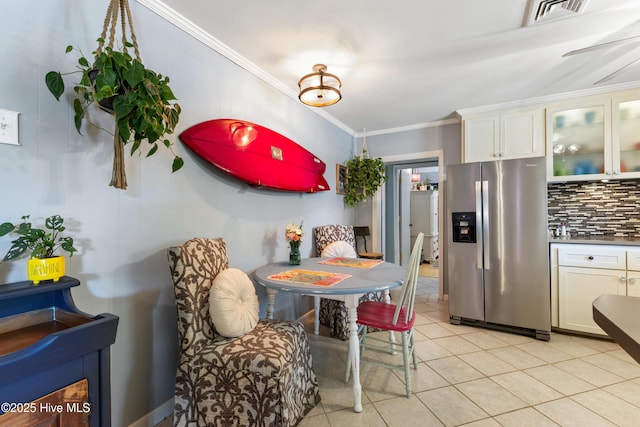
486 239
479 221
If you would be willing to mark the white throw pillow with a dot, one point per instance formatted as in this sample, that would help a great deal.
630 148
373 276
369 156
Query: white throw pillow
233 303
339 249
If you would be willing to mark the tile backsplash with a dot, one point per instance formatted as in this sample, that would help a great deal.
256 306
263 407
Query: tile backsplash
596 208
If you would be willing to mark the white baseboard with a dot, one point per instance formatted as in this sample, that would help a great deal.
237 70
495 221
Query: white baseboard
155 416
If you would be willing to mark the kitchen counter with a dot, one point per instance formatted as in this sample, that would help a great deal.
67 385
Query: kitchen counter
618 316
597 240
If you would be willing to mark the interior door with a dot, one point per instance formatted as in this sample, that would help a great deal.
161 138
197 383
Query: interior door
404 221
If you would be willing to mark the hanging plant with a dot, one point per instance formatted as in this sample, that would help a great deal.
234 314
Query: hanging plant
138 98
364 176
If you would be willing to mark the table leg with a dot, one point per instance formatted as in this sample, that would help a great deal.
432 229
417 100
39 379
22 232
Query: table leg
316 317
354 350
392 336
271 302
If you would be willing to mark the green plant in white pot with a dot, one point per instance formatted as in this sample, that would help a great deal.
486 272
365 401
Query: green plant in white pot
43 263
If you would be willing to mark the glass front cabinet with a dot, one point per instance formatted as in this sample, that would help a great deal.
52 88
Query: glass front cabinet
594 138
626 134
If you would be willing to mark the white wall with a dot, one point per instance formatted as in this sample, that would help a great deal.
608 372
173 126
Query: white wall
123 235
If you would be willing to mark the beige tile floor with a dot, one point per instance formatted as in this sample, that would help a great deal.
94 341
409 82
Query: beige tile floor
479 377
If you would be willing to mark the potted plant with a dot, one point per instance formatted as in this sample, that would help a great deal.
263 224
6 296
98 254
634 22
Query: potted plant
364 176
43 264
140 99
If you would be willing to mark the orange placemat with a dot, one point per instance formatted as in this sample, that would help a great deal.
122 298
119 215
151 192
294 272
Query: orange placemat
352 262
310 277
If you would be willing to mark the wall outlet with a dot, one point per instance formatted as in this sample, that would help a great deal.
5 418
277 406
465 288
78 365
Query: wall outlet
9 127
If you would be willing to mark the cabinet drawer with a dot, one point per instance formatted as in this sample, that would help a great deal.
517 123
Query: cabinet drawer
593 256
633 259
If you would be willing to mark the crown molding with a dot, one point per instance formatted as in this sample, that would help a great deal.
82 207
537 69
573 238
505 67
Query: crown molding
541 100
437 123
169 14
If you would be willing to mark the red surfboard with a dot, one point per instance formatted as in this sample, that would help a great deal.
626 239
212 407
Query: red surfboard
256 155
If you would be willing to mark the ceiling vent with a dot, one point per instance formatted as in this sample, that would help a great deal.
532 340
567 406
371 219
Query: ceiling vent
540 11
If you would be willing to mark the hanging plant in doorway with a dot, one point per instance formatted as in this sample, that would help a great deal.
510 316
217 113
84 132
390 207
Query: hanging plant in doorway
138 98
364 176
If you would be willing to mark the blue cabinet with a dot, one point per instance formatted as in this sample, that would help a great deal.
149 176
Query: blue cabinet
47 343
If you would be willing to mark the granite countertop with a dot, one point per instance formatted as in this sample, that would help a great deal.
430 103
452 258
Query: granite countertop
597 240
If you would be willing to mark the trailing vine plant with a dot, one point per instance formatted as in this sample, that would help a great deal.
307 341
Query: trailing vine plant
364 176
140 99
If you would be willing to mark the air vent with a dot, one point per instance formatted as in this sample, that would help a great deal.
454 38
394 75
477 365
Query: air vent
550 10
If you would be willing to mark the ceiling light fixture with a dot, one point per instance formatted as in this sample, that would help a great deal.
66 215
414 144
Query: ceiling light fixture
319 89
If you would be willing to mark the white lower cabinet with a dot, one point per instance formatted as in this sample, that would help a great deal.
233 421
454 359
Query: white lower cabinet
578 288
633 272
581 273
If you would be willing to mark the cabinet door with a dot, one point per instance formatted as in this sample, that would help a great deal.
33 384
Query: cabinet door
579 140
633 272
578 288
67 407
625 135
480 139
521 134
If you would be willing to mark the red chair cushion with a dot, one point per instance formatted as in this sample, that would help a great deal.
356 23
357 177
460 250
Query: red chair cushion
380 315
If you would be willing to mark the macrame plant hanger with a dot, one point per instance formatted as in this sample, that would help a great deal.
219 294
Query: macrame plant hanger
364 153
118 176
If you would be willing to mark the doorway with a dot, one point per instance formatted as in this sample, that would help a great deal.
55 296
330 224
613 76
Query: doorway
386 206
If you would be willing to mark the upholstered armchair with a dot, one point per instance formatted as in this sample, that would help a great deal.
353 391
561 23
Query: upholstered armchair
333 314
262 378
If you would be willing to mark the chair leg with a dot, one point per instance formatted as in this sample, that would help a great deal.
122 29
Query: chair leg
407 368
392 337
413 350
316 317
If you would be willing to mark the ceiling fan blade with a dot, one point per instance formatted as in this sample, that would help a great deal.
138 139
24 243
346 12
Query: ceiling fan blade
599 46
612 75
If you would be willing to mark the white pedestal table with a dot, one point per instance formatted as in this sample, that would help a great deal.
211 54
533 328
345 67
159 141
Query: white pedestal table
381 277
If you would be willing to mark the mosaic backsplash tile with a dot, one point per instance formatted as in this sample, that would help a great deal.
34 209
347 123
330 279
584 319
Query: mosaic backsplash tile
596 208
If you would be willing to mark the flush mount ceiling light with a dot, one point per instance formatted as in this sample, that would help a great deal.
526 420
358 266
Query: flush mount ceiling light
319 89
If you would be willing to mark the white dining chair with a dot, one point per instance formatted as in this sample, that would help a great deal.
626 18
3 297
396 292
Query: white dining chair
399 317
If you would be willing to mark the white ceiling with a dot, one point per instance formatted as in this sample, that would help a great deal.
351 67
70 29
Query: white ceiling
412 62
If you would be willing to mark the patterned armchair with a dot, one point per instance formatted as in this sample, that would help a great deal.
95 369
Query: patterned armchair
333 314
263 378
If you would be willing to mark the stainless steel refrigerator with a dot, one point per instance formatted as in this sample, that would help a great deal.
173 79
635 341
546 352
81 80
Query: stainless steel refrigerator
497 249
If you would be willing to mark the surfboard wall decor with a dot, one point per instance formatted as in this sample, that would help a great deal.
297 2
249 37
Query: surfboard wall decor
256 155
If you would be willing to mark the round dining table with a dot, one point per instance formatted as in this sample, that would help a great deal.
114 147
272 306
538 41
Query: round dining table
333 278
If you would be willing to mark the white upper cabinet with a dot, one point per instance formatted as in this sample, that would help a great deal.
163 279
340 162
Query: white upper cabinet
594 138
509 134
625 134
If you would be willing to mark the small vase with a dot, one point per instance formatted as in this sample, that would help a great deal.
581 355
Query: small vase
294 256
